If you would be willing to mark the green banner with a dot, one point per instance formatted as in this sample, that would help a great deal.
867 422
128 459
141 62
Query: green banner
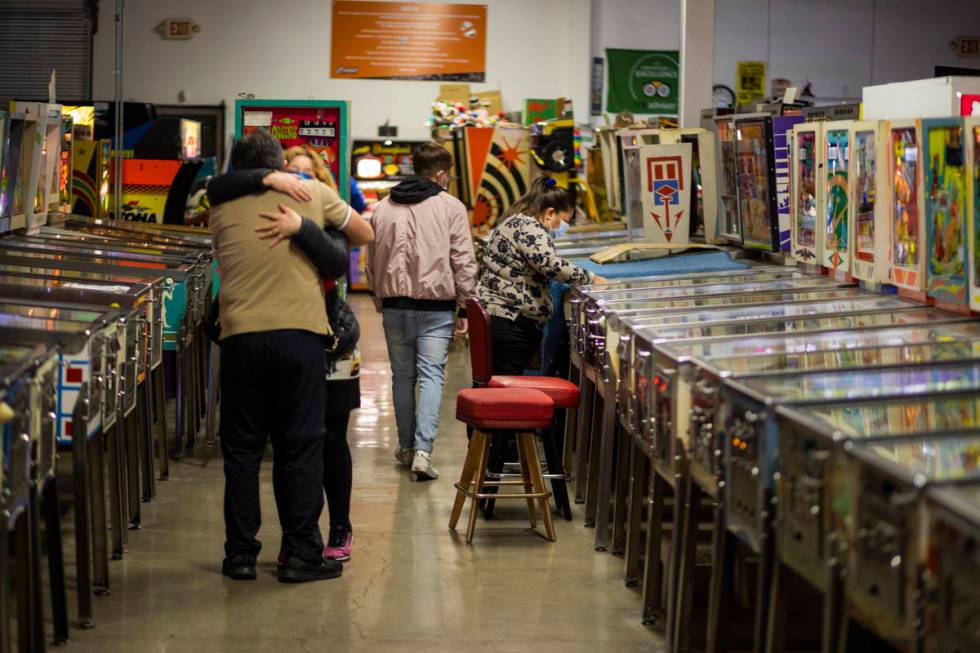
644 81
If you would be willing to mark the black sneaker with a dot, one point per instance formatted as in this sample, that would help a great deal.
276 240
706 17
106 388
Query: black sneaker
295 570
239 567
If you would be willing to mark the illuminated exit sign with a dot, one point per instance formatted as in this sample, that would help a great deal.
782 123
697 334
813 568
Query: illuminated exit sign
177 30
966 46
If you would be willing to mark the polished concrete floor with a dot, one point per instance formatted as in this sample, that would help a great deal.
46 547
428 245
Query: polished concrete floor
412 583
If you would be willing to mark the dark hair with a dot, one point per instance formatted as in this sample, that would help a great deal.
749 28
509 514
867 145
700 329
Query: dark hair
429 158
257 149
544 194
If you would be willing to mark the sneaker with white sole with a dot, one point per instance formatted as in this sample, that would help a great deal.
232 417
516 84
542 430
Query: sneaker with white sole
404 456
422 467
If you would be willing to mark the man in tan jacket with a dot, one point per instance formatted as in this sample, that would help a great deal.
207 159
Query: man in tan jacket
273 370
422 269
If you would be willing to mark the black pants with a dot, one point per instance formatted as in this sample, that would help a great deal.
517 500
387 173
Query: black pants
273 384
337 470
514 344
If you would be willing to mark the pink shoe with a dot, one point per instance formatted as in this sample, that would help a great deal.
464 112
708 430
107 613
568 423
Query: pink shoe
339 549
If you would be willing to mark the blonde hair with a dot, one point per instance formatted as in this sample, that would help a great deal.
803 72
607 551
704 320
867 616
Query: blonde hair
320 169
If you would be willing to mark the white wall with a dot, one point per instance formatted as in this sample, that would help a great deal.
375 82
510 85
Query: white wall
842 45
281 49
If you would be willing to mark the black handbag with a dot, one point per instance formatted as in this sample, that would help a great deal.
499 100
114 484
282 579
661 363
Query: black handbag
346 329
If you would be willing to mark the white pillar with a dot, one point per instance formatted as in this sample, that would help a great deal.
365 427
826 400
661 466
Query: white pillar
697 59
580 57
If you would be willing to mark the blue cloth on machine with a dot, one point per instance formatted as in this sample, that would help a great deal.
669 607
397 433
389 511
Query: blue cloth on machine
555 335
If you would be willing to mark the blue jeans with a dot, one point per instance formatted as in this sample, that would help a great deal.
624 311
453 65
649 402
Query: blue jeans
418 346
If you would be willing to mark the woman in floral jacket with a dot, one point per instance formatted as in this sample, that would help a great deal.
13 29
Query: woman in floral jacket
518 264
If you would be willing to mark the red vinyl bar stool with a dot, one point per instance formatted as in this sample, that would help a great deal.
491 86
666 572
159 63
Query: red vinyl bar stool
488 410
563 393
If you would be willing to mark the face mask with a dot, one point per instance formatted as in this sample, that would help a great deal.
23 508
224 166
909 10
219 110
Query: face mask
561 230
303 175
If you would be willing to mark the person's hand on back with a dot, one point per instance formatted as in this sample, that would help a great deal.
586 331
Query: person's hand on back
288 184
283 224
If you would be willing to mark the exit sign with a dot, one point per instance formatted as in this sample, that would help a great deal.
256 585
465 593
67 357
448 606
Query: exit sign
178 30
966 46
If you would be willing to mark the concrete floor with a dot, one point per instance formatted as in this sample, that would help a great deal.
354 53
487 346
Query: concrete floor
412 583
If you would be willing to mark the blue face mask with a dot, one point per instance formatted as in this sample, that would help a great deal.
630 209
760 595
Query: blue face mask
302 175
561 230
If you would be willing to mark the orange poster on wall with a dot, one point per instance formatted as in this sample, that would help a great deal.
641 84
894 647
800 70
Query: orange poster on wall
408 40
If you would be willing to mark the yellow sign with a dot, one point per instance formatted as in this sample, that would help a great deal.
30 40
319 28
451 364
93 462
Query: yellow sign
750 81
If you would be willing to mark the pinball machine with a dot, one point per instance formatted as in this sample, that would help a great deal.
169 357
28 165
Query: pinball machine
972 137
808 191
835 217
907 205
869 226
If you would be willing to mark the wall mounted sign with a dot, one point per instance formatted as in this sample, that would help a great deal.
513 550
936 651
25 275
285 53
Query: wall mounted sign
750 79
966 46
177 30
408 40
644 81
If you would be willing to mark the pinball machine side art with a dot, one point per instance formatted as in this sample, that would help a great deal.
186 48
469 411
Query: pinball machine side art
704 195
667 187
498 166
729 211
943 158
907 209
606 139
807 239
972 129
836 158
869 225
90 178
782 133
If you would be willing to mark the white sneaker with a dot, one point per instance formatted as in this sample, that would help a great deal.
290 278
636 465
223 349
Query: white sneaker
404 456
422 467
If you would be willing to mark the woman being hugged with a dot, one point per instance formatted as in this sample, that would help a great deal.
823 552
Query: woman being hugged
518 264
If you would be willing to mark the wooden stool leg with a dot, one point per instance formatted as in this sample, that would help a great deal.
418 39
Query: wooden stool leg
481 474
466 478
534 466
528 484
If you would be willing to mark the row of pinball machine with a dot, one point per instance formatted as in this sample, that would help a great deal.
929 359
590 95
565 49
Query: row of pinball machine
783 441
101 323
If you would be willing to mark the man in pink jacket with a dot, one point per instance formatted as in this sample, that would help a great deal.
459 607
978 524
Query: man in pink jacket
422 269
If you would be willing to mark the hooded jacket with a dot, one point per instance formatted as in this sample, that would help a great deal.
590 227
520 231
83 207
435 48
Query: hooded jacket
422 247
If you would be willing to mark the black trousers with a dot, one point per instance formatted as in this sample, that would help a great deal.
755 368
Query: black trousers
514 344
338 470
273 384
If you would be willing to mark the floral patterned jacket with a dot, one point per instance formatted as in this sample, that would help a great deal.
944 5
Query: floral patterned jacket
518 263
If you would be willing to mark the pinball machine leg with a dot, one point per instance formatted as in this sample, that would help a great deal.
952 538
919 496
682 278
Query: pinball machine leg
25 613
56 561
720 587
181 406
5 568
34 568
83 554
192 398
776 633
144 430
116 503
133 468
556 470
597 438
834 612
214 367
673 562
158 419
607 464
767 559
653 572
688 537
621 476
583 433
100 543
639 482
